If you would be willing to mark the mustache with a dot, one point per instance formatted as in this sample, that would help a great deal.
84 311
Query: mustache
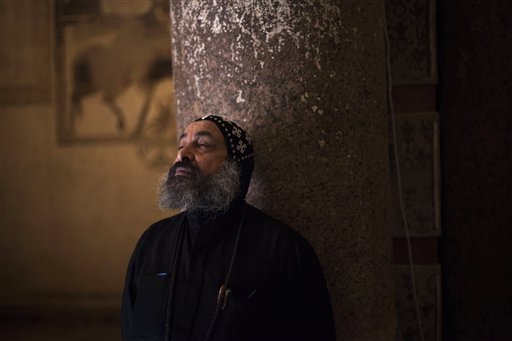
186 165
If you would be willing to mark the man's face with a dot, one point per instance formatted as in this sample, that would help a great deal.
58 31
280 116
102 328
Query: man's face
202 177
201 149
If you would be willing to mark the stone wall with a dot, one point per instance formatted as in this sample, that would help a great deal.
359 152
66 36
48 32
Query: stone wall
307 79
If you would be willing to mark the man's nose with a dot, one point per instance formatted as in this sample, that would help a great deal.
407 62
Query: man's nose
185 152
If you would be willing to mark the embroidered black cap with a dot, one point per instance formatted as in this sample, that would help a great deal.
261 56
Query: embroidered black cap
239 147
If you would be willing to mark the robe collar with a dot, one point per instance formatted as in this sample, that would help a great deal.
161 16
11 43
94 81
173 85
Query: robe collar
199 220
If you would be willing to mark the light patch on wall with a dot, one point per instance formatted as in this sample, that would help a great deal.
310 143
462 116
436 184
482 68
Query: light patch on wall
239 99
264 29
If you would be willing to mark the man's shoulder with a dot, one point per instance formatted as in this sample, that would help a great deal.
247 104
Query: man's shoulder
271 236
256 215
267 224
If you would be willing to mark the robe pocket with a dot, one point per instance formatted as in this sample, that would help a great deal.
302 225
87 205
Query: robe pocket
150 308
251 315
245 306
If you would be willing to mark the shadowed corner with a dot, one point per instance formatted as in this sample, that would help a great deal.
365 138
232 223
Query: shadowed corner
54 323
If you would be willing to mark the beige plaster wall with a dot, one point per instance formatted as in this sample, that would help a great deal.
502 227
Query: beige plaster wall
69 216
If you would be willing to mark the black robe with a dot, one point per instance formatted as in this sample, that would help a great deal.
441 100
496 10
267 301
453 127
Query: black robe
276 286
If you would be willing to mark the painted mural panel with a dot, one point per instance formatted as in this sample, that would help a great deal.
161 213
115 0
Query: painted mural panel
411 31
428 291
114 70
418 151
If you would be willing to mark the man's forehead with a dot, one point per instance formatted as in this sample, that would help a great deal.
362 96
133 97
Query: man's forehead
202 128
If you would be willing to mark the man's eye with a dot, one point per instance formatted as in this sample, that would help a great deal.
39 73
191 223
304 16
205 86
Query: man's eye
180 147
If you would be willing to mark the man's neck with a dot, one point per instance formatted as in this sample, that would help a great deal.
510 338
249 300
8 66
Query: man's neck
205 216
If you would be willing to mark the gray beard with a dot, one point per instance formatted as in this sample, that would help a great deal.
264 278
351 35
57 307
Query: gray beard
211 194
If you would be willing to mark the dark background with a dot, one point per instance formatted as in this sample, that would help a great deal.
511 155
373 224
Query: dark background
475 106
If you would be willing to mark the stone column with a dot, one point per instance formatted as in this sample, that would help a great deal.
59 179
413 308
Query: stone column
307 80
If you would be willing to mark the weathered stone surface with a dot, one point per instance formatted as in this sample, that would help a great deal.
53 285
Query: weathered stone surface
307 80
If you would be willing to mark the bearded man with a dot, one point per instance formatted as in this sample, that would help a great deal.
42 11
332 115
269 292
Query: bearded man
221 269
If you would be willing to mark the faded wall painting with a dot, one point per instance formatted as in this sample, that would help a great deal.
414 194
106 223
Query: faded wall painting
418 151
114 73
412 38
428 290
